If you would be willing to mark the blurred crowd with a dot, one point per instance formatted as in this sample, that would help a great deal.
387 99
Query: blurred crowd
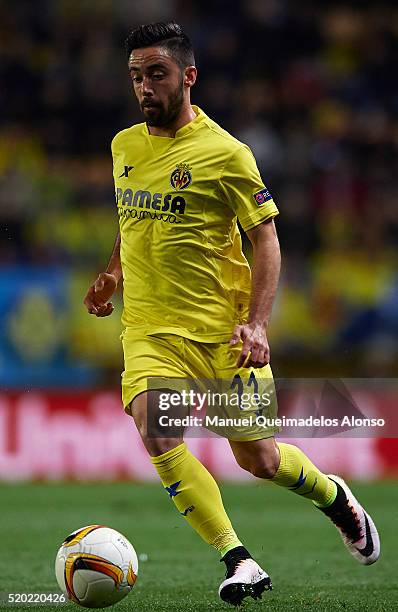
309 86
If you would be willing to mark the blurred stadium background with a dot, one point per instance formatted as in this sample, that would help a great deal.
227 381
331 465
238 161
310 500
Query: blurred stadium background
310 87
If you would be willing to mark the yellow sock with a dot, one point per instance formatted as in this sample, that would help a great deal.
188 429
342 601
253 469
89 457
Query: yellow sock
297 473
197 497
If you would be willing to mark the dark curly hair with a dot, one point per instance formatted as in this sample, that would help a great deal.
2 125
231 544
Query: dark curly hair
165 34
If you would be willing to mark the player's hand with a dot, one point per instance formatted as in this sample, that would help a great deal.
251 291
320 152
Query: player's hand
98 296
255 350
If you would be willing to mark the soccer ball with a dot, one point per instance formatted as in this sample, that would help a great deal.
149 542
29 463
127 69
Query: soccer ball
96 566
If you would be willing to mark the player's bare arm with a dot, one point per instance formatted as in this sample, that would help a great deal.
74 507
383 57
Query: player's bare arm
265 277
98 295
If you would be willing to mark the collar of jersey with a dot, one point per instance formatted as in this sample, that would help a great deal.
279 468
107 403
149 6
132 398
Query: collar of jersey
186 129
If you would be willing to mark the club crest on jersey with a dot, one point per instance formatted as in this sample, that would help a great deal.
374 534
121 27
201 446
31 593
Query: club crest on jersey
181 177
262 196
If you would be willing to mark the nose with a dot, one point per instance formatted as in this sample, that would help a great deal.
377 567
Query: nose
147 89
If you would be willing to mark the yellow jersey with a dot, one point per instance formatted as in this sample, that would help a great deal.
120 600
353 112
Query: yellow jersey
178 201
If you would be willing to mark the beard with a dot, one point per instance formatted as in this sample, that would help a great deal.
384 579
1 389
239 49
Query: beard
161 116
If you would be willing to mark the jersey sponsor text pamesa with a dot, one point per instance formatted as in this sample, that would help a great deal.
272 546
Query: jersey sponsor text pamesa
145 199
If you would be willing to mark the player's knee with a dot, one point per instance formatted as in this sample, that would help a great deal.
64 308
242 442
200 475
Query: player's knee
262 466
157 447
265 469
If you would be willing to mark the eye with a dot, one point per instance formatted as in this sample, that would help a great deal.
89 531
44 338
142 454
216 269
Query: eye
158 76
136 79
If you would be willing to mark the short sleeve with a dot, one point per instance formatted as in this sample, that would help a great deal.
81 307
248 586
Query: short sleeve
244 190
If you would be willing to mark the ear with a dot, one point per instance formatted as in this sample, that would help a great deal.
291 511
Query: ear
190 76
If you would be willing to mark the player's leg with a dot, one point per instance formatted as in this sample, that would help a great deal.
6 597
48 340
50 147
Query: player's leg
148 360
286 465
191 487
244 576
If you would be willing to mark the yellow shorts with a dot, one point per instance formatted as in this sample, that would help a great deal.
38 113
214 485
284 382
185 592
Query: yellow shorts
166 359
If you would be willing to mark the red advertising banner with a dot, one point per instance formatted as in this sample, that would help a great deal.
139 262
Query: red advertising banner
87 436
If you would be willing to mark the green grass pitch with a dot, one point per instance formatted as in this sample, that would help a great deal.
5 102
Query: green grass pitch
296 545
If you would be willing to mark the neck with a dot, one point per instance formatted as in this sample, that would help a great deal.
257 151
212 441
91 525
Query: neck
186 116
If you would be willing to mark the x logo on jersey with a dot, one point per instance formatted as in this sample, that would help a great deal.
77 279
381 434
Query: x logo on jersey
172 489
126 171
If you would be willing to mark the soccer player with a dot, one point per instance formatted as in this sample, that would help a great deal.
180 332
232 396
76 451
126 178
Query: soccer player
192 308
